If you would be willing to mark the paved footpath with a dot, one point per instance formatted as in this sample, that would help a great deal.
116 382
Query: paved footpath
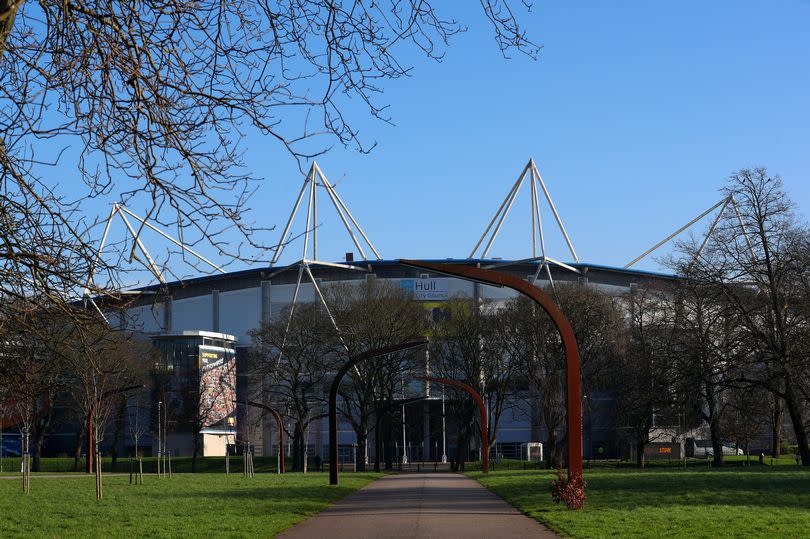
420 505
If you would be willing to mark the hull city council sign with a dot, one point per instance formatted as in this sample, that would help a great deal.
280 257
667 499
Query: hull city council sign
426 289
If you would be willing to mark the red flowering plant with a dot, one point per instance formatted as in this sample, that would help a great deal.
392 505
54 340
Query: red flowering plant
571 492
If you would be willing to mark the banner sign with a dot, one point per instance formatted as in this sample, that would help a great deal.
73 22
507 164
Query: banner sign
217 387
426 289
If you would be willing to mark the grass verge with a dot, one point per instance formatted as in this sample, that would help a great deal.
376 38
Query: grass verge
737 502
187 505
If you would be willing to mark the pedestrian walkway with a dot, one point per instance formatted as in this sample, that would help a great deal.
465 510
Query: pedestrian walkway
420 505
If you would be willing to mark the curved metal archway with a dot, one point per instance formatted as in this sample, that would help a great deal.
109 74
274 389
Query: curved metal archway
354 360
574 404
481 408
279 426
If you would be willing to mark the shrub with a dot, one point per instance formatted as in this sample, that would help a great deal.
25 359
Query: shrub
571 492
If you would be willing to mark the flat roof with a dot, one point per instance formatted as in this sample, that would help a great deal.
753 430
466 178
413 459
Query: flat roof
395 262
196 333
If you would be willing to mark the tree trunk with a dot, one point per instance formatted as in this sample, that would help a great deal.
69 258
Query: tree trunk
640 443
195 452
362 440
713 418
795 413
462 447
551 449
298 447
39 435
8 12
40 429
377 440
388 429
77 452
717 448
776 435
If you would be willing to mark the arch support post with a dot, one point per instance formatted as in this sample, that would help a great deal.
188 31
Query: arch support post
333 391
573 383
481 408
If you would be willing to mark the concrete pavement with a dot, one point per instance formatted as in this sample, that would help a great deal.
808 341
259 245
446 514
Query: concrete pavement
420 505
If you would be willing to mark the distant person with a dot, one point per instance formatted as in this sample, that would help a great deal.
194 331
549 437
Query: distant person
762 457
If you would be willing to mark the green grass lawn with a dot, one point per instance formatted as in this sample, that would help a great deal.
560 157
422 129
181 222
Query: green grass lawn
187 505
11 465
734 502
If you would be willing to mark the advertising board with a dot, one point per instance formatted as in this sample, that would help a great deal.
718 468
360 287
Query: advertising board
217 387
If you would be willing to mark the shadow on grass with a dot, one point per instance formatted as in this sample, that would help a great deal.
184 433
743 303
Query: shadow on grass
266 499
623 489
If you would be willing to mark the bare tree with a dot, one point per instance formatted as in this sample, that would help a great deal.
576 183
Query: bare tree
151 103
292 356
373 314
470 345
746 419
34 370
535 342
644 379
137 420
106 365
708 349
754 259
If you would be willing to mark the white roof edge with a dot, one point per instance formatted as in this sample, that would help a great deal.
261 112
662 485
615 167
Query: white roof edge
198 333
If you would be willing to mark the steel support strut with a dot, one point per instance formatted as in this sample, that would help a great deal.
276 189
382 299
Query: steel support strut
574 403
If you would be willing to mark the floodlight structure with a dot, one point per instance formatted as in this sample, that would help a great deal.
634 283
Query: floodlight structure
723 205
314 180
531 173
118 209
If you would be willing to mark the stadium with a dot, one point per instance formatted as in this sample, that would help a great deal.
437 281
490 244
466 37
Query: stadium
201 325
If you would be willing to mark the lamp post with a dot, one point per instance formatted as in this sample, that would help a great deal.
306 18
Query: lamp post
444 432
404 450
159 447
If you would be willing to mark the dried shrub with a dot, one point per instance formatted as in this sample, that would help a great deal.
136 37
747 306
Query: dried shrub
571 492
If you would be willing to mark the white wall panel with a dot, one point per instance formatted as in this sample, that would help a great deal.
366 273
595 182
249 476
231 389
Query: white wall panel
192 313
148 318
239 312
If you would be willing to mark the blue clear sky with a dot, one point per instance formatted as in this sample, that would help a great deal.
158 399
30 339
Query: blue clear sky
635 112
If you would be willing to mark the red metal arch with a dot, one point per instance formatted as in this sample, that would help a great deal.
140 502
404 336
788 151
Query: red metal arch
279 425
574 404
